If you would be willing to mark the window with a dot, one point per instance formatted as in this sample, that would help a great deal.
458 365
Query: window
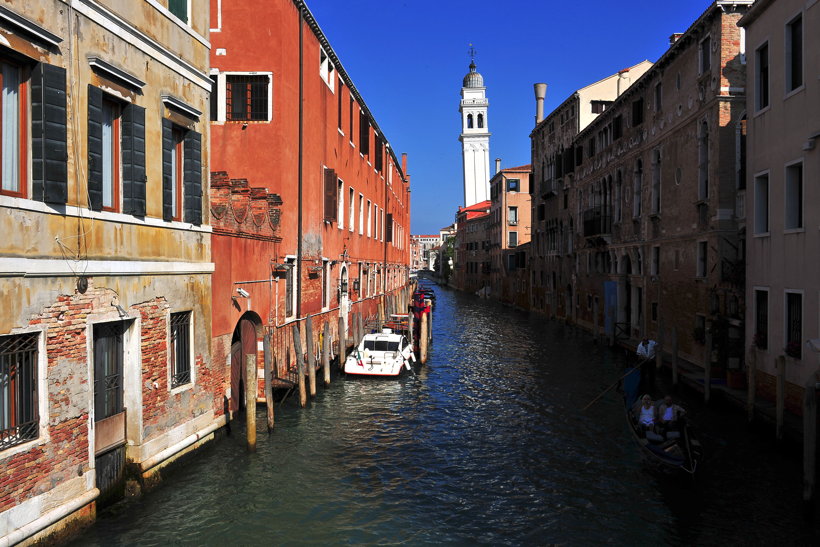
794 197
361 214
761 222
13 119
705 55
340 218
637 112
637 183
364 134
381 231
108 365
794 54
794 324
655 267
656 181
512 216
180 348
761 334
351 214
658 97
599 106
214 99
375 221
110 155
19 420
513 239
702 261
290 280
618 195
179 8
181 174
326 70
703 161
176 174
480 121
331 195
247 97
513 185
325 283
469 121
369 219
339 106
762 77
350 120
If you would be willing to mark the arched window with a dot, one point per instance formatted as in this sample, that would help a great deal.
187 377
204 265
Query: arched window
656 181
703 161
480 121
469 121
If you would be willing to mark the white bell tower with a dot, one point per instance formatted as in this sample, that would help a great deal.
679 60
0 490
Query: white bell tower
475 137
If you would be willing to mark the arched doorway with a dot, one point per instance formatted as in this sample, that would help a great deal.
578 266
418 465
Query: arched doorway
243 343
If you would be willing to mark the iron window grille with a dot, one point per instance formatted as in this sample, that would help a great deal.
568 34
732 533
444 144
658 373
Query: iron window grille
180 348
18 389
247 98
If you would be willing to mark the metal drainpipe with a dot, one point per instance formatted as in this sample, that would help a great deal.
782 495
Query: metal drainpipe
301 147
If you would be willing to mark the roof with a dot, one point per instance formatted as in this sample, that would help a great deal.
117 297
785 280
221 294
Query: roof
527 167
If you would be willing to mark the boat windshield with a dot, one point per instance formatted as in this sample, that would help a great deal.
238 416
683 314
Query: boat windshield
381 345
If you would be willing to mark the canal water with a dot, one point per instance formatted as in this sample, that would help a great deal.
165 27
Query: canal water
486 444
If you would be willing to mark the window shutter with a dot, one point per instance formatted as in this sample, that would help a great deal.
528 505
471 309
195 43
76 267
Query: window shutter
95 175
167 151
364 133
388 228
331 197
48 134
192 188
133 160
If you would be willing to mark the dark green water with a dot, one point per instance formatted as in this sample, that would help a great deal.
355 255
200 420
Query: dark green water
487 444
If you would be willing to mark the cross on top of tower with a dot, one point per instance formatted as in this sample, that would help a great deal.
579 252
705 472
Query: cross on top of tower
471 52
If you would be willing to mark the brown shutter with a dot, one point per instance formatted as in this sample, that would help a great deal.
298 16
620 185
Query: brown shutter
388 228
331 197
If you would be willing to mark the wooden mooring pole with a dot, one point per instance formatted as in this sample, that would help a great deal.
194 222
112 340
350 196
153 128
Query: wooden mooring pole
675 356
423 339
268 383
751 378
707 368
326 353
311 356
250 400
342 342
809 437
780 404
300 365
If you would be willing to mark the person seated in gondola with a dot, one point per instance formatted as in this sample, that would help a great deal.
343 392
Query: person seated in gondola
669 414
646 414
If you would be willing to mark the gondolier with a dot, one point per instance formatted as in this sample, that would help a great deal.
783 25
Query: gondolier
646 355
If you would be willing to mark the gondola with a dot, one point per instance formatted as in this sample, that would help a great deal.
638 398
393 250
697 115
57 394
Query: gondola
675 452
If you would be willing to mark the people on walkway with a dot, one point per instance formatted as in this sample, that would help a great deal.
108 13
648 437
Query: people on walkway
646 349
646 360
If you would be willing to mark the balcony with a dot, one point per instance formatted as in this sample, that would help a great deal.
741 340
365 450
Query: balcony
512 222
596 222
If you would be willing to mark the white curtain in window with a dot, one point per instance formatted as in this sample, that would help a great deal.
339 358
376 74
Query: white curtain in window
11 126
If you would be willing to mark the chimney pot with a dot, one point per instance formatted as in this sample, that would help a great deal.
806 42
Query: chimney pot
540 94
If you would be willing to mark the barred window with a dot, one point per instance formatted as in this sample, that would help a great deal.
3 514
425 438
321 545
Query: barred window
247 97
18 389
180 348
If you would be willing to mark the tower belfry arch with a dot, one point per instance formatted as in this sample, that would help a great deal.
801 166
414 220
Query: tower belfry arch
475 136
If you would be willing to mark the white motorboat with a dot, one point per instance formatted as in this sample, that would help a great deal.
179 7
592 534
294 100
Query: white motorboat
380 354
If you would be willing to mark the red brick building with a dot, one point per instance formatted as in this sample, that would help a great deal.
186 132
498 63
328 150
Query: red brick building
472 247
311 205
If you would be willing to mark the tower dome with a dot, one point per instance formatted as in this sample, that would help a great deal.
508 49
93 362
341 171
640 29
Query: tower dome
473 78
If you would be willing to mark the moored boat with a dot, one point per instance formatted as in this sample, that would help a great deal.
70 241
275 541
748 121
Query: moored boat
384 353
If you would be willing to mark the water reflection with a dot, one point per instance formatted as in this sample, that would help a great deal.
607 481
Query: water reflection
487 444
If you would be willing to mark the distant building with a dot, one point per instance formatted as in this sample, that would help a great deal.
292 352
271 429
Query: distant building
475 138
472 264
509 227
781 192
105 267
553 163
421 256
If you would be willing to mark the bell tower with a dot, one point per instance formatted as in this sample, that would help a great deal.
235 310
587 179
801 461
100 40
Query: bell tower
475 136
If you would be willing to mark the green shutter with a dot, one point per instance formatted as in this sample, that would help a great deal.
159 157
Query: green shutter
133 160
48 134
192 176
95 145
167 189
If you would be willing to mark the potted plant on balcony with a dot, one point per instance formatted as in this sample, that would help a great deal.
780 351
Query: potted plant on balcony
792 349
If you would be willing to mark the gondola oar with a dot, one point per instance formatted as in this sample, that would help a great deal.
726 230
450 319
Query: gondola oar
604 392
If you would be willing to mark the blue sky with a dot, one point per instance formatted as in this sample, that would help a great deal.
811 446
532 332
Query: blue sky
408 58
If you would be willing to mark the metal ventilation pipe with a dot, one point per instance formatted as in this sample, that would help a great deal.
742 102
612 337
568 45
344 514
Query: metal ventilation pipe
540 94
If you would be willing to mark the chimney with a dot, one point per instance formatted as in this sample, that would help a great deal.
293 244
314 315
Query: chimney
675 37
497 165
540 94
623 81
404 162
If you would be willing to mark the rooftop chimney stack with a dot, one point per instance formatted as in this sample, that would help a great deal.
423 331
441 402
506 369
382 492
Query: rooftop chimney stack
497 165
540 94
675 37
